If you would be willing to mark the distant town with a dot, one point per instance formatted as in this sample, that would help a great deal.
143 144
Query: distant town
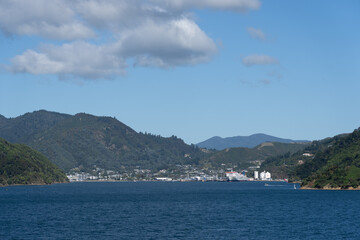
181 173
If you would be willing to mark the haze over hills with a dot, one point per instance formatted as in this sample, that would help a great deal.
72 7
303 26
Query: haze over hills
251 141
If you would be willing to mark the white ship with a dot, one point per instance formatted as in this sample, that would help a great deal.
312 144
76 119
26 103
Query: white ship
235 176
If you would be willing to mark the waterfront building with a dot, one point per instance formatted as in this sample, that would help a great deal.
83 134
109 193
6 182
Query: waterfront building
265 176
256 175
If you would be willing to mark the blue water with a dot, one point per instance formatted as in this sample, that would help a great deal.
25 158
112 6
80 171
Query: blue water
175 210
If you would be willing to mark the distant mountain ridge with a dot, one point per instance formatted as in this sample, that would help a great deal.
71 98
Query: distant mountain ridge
251 141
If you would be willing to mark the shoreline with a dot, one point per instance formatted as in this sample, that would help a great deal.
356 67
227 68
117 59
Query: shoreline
178 181
31 184
331 188
326 188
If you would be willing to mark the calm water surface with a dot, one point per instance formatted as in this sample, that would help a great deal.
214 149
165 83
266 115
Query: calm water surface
175 210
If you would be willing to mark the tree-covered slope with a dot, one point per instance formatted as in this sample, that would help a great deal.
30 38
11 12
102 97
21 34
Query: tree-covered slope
329 163
251 141
244 157
22 129
338 166
83 141
284 166
19 164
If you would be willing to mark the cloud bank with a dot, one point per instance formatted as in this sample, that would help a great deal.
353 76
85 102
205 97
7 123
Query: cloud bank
95 39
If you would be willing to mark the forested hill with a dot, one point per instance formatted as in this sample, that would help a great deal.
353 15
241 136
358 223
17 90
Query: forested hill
251 141
23 128
245 157
332 163
19 164
83 141
336 167
284 166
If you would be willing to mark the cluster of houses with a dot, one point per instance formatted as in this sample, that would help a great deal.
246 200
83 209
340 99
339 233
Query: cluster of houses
229 176
181 173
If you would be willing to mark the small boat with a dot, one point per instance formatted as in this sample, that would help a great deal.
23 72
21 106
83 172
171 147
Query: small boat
294 186
266 185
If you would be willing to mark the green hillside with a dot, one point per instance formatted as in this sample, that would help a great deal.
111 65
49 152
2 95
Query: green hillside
22 129
284 166
83 141
338 166
251 141
329 163
245 157
19 164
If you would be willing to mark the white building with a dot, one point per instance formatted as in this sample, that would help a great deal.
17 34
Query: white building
262 175
164 179
268 176
265 176
308 154
256 175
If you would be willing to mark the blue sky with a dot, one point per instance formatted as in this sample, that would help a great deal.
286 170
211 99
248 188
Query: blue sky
195 70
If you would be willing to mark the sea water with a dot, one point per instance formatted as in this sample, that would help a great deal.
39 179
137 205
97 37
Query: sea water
177 210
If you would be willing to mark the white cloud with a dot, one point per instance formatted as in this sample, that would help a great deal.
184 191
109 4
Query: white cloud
113 15
232 5
256 33
50 19
79 59
157 33
178 42
35 63
259 60
170 44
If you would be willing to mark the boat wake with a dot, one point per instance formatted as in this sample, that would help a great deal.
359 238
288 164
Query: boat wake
273 185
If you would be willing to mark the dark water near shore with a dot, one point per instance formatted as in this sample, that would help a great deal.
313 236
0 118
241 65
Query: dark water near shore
174 210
